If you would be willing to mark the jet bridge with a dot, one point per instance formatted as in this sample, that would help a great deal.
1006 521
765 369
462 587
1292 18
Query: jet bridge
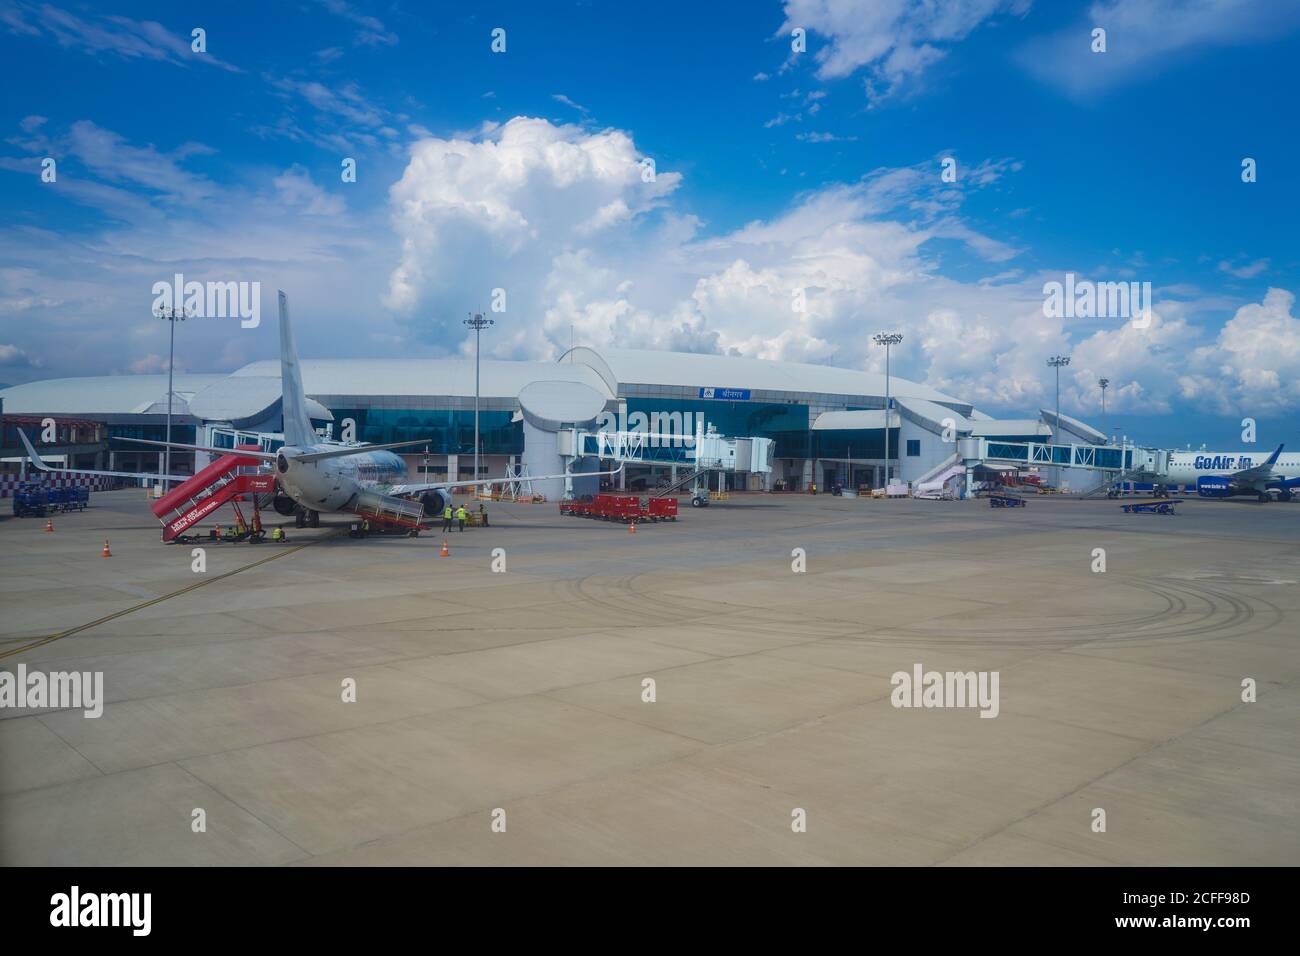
701 453
1121 459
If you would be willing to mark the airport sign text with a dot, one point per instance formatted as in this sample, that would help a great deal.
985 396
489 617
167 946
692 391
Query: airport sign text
726 394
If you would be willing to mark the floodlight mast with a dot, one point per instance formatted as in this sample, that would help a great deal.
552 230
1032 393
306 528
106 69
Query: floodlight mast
171 316
478 323
888 340
1058 362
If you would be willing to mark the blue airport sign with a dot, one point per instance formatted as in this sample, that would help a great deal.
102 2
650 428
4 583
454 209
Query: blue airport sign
726 394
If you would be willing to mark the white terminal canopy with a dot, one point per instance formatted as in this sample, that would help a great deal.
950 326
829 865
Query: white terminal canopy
551 406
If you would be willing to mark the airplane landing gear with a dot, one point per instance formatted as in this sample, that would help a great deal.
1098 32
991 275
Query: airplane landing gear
313 519
1285 496
1264 497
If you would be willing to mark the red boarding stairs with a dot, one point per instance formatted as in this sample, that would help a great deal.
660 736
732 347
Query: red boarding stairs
224 480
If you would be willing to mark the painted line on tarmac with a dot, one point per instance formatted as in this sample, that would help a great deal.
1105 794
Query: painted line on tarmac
42 641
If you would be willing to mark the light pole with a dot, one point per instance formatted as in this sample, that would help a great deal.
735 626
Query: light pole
171 315
1105 384
478 324
1056 361
888 340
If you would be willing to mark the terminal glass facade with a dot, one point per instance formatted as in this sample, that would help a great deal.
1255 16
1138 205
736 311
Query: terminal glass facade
854 443
449 432
180 433
785 424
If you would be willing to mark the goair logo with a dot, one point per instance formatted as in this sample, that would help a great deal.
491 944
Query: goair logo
1084 299
922 688
62 690
103 909
1220 462
210 300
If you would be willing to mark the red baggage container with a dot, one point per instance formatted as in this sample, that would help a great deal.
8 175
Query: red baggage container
663 509
612 507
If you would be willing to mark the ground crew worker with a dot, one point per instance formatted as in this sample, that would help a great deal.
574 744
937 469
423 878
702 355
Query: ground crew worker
482 514
446 518
277 534
461 515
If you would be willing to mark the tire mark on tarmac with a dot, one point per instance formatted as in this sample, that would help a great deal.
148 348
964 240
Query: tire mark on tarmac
1154 747
50 638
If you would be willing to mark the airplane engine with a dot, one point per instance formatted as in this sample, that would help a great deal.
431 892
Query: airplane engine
284 505
435 501
1213 486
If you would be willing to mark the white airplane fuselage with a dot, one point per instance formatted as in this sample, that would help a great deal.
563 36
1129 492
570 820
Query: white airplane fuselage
335 483
1189 468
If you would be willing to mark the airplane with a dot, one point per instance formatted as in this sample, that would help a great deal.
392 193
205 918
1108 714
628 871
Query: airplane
314 475
1220 475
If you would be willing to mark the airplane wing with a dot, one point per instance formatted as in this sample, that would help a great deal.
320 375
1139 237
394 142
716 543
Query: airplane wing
342 451
307 458
39 464
1248 476
264 455
418 489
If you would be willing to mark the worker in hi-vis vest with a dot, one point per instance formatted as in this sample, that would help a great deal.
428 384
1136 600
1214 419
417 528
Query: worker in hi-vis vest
446 518
461 515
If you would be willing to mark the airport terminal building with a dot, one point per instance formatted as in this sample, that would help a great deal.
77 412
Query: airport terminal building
828 425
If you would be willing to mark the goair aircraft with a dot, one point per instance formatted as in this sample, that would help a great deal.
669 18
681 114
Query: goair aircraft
1225 474
315 476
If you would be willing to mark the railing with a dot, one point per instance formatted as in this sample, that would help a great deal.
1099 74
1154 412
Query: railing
221 437
195 499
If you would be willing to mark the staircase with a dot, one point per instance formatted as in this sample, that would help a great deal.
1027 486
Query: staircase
194 499
933 473
937 487
1133 474
682 482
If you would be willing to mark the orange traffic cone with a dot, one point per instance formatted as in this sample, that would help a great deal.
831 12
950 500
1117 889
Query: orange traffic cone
631 528
49 524
445 552
107 553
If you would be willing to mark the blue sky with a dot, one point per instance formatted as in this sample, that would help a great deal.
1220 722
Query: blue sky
776 171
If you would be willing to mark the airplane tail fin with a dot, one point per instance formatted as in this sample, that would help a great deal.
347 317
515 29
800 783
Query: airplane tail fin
297 423
1272 459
